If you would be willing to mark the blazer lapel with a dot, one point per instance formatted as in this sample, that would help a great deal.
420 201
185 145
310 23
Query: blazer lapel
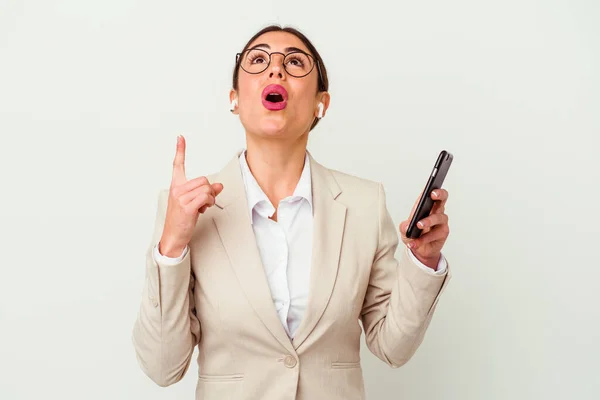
235 230
329 217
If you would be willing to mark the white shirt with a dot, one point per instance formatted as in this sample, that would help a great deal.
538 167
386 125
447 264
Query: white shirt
285 246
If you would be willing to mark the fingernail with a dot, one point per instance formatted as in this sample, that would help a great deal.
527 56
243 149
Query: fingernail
420 224
434 193
411 245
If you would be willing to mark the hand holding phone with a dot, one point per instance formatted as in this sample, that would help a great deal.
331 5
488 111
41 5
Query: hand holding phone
435 181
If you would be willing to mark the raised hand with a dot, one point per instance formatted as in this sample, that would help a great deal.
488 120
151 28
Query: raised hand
435 230
187 200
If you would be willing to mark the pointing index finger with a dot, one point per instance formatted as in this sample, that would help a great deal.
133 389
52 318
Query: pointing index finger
179 161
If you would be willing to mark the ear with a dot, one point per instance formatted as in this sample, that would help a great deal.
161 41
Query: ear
233 101
322 98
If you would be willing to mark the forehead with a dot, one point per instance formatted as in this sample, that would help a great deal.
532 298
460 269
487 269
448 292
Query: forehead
278 41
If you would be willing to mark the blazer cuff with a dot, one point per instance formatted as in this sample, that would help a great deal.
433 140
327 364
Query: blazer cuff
168 261
441 267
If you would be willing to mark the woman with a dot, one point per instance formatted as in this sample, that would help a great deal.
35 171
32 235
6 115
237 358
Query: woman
268 265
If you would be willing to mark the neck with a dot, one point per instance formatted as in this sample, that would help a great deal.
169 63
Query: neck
276 165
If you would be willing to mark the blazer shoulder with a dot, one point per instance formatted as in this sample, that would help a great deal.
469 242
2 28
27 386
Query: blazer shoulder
356 189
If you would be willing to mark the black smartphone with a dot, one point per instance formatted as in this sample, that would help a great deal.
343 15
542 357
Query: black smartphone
435 181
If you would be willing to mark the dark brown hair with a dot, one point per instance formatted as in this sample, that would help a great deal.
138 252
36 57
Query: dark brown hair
322 81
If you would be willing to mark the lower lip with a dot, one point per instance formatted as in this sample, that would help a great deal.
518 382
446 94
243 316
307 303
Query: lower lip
269 105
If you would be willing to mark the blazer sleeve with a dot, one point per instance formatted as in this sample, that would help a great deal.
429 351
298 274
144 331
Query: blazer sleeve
166 329
400 299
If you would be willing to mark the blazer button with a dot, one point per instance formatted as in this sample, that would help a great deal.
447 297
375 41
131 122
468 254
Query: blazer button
289 362
154 302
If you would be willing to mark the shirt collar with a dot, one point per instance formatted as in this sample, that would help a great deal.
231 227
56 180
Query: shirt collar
258 200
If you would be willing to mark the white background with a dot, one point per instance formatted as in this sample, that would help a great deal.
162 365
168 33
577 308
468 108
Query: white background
94 93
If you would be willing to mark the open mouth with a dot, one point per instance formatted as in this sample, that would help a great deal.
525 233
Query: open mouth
274 98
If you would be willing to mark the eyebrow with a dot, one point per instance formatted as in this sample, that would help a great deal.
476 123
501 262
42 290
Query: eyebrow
286 50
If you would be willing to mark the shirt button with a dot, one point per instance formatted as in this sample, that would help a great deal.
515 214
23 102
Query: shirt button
154 302
289 361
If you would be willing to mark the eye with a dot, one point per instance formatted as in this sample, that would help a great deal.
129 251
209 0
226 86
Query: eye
258 59
256 56
295 60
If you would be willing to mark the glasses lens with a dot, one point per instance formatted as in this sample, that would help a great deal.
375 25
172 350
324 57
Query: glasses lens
298 64
255 61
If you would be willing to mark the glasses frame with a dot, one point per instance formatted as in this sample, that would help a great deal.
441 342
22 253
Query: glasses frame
315 62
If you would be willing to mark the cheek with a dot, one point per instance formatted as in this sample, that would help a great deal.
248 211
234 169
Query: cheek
248 89
304 98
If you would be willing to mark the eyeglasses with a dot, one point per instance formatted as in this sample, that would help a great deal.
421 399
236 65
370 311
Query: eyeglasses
296 63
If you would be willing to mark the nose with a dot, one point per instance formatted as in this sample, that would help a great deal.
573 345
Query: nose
276 68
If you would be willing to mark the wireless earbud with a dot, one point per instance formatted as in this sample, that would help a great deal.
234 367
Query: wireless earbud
320 115
234 104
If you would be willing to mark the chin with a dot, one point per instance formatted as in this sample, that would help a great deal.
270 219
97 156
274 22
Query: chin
272 128
273 125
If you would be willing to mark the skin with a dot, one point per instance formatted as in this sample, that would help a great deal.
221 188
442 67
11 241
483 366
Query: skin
276 144
276 140
187 200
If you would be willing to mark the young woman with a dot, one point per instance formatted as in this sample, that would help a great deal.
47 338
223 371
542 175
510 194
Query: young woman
268 266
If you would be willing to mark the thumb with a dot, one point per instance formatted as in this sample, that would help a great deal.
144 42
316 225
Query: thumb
217 187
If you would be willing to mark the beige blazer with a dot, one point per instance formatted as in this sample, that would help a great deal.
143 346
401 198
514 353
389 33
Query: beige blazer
218 299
